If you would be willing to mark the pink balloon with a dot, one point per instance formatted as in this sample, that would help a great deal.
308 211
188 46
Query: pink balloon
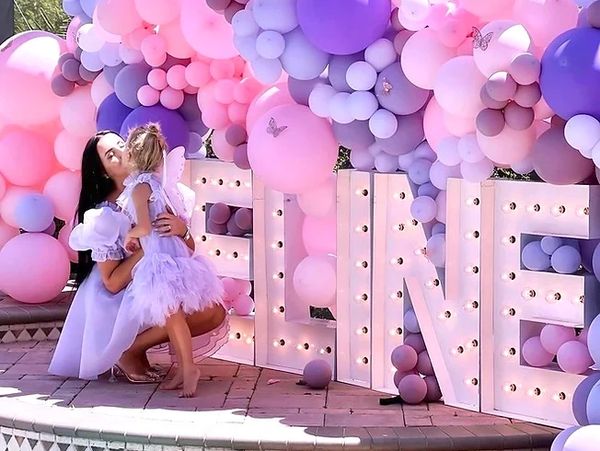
416 342
78 113
534 354
101 89
458 86
270 98
171 98
243 305
315 280
224 91
320 200
573 357
3 187
206 30
63 238
404 358
157 78
10 201
553 337
477 172
546 20
214 114
244 286
118 16
220 69
135 39
27 64
487 10
68 150
197 74
26 159
434 393
510 146
247 90
154 49
177 45
148 96
222 149
34 268
71 35
291 136
422 71
508 40
457 125
456 29
237 113
231 288
424 365
176 77
412 389
158 12
63 189
7 233
434 124
319 234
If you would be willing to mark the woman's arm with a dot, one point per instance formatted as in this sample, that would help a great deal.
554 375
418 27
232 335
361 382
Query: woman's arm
170 225
116 274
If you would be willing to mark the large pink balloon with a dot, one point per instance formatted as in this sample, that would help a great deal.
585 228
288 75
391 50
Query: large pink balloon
34 268
177 45
27 64
158 12
292 150
26 159
320 200
118 17
487 10
268 99
206 30
434 124
3 187
78 113
509 147
63 188
319 234
315 280
7 233
546 19
508 39
422 71
458 87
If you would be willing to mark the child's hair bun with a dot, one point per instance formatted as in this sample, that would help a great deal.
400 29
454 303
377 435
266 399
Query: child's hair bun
154 129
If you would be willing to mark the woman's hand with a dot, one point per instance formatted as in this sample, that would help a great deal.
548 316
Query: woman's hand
167 224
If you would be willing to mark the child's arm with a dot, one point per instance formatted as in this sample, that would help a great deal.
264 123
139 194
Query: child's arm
141 196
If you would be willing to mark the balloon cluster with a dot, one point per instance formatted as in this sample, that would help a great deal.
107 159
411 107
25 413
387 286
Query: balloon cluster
560 342
72 74
414 374
227 7
238 296
223 219
563 256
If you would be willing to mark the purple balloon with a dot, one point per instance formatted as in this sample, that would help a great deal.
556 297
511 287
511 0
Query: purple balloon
501 86
218 5
61 86
190 110
434 392
317 374
198 127
172 61
555 161
490 122
587 252
428 190
236 135
593 14
399 375
582 19
580 397
86 74
64 58
404 358
300 89
338 26
550 243
566 260
356 134
219 213
233 228
528 96
111 114
534 258
408 136
128 82
195 144
70 70
517 117
243 219
412 389
570 73
489 102
397 94
424 365
232 10
110 73
418 171
338 66
240 157
173 127
534 354
34 213
216 229
416 342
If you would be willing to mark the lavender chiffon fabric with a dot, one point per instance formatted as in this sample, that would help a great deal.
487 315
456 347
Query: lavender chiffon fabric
100 326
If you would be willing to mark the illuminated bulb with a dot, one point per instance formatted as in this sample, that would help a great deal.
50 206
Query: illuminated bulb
585 211
229 257
472 305
534 208
511 206
231 185
472 381
399 196
211 253
553 296
534 391
471 269
469 201
398 228
508 276
445 315
275 343
558 210
510 388
197 182
231 336
559 396
197 208
247 184
528 294
321 351
432 283
421 251
249 340
214 182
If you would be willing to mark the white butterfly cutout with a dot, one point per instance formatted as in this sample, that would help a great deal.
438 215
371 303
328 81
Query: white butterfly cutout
181 197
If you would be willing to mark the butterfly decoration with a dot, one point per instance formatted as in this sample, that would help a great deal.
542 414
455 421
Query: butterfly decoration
181 198
273 129
387 86
480 41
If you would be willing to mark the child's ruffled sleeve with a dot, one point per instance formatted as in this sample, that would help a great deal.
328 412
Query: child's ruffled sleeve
102 232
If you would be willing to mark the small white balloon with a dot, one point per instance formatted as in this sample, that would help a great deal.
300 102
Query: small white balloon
363 105
381 54
361 76
320 98
340 108
89 39
383 124
582 132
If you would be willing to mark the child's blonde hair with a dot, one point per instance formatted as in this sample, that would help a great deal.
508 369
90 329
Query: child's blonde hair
146 145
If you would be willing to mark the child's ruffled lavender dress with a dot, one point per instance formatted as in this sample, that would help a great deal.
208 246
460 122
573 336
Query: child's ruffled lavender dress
101 325
168 277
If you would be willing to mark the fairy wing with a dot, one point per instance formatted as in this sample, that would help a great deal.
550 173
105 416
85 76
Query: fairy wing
181 197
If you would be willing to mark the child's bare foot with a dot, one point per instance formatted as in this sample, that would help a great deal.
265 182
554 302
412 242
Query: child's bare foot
174 383
191 376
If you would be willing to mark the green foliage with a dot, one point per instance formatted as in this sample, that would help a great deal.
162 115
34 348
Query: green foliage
46 15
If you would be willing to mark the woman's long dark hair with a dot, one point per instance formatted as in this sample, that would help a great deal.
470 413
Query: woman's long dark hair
96 186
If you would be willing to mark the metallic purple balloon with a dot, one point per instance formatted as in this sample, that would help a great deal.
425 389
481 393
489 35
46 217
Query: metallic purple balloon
343 27
397 94
408 136
111 114
240 157
219 213
243 219
338 66
236 135
354 135
300 89
61 86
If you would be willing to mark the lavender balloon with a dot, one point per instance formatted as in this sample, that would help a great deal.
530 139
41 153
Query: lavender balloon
408 135
354 135
232 10
490 122
233 229
427 189
338 67
404 358
361 159
216 229
219 213
300 89
550 243
434 392
534 354
240 157
173 127
128 82
236 135
566 260
415 341
534 258
418 171
397 94
34 213
61 86
301 59
412 389
243 219
189 110
317 374
110 73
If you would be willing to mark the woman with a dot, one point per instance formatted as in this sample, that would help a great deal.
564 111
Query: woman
99 333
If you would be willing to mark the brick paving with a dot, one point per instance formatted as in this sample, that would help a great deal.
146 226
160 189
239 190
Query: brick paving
239 395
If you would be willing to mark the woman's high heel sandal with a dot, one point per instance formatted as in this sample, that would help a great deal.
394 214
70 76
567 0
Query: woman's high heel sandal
116 371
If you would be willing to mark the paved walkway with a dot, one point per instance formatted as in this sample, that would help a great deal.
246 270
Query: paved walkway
246 407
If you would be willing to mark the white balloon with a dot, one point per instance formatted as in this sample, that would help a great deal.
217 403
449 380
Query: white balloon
101 89
363 105
340 108
319 100
383 124
582 132
89 39
381 54
91 61
270 44
361 76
